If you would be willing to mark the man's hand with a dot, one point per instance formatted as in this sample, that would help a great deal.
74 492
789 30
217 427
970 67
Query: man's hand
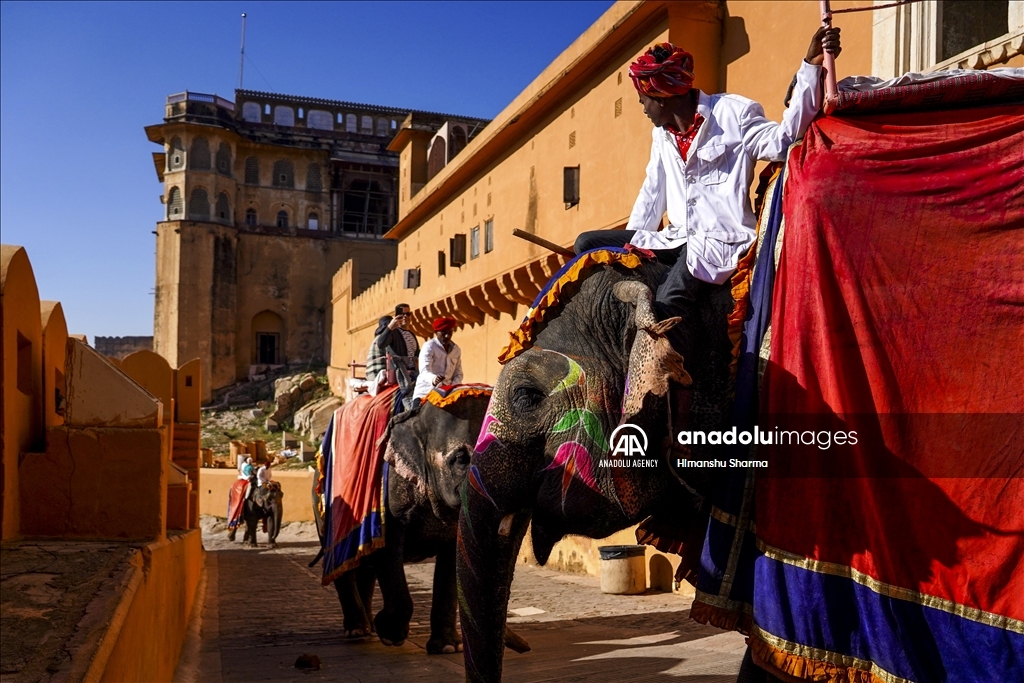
827 38
438 380
396 322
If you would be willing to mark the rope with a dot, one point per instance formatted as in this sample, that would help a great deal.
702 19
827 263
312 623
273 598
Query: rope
873 7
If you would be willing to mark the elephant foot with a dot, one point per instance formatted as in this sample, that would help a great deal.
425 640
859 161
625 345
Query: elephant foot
443 646
231 534
355 633
392 643
391 632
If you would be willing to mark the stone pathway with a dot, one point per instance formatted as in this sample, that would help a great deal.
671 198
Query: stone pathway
264 608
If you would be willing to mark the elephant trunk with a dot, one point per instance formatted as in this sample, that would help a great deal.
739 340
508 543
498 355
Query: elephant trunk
488 545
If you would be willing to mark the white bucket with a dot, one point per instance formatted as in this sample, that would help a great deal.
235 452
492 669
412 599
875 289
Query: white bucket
623 569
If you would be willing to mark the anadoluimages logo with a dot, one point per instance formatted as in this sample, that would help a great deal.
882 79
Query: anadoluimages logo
628 441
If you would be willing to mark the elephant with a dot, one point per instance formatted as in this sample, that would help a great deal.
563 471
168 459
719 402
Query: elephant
428 452
599 360
263 503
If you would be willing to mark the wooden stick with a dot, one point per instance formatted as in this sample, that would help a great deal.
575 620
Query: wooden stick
541 242
831 90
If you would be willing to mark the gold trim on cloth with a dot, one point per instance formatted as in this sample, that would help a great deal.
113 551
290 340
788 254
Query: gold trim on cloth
891 591
820 655
723 602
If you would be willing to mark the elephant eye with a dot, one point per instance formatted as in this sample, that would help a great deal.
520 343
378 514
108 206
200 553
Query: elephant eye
526 398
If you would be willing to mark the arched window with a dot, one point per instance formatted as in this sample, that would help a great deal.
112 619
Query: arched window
175 205
382 126
199 205
176 155
251 112
319 119
350 123
252 171
250 218
313 181
284 116
366 124
284 173
224 159
458 141
313 222
199 155
223 209
282 219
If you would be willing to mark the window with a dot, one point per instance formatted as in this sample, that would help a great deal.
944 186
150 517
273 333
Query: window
284 116
618 107
442 261
175 205
176 155
382 126
572 139
313 222
224 159
251 112
366 124
223 209
457 250
313 180
24 365
474 242
966 23
300 112
571 186
350 123
319 120
365 209
284 173
250 218
199 156
252 171
489 236
282 219
266 110
199 205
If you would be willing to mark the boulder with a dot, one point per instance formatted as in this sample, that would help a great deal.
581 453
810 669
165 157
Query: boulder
312 419
307 382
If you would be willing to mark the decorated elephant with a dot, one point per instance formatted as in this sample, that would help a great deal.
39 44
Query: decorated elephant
263 504
590 365
428 455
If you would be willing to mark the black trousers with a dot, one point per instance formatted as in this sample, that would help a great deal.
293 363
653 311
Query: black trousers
681 294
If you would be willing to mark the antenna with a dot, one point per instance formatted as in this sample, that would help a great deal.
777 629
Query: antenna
241 59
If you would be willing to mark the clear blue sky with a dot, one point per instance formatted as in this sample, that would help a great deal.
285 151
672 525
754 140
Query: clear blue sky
79 81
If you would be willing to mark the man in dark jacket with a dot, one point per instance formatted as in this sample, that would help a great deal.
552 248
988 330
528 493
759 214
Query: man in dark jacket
392 339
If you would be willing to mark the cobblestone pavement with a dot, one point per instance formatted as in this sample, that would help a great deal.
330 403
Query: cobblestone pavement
263 608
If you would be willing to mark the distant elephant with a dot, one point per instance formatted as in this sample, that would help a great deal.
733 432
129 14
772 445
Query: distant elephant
263 503
428 451
601 359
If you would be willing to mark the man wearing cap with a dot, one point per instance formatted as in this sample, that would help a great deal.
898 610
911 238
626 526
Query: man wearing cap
703 154
440 359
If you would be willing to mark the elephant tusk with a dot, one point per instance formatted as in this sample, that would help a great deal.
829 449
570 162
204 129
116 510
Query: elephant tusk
505 527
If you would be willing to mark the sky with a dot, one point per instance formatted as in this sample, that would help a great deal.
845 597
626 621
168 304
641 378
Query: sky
80 81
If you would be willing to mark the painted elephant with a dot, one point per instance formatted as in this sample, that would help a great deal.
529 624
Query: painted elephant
600 360
263 503
429 452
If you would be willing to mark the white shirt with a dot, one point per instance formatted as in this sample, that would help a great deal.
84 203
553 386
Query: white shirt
434 362
263 475
708 195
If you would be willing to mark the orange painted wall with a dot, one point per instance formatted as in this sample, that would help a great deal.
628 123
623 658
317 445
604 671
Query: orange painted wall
21 418
145 638
55 340
112 484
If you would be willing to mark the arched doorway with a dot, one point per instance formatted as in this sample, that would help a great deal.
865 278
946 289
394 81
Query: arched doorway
267 339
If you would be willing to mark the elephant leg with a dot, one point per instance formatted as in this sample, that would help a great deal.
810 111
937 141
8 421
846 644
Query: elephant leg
444 638
392 621
250 529
366 582
232 533
356 615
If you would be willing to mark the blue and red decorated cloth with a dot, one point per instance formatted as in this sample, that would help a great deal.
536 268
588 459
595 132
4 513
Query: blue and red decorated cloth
897 314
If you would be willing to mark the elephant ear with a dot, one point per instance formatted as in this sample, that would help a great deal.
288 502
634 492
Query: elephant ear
653 363
404 449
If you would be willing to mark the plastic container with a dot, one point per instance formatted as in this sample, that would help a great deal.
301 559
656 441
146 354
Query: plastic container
623 569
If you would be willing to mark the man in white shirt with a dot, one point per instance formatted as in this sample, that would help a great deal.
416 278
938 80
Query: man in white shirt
703 154
440 359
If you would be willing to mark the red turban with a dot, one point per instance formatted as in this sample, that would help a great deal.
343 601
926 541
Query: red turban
443 324
668 77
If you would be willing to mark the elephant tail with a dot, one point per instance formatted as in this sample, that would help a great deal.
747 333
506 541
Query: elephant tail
316 559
